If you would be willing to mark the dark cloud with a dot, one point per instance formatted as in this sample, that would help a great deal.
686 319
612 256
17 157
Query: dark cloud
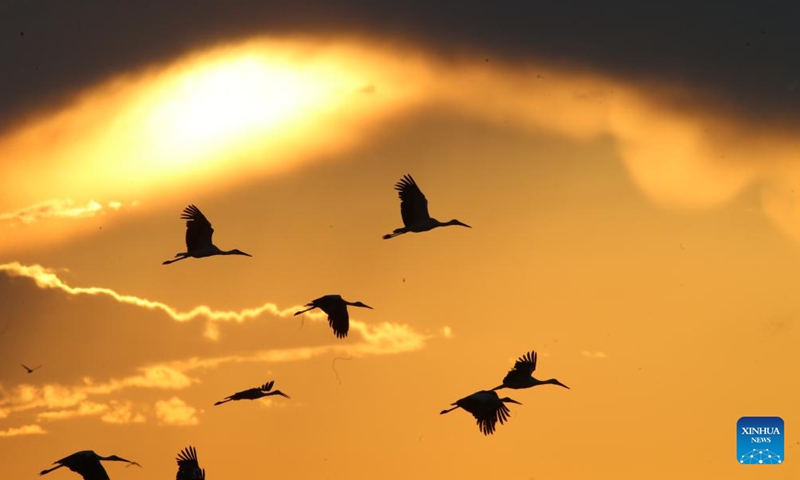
742 53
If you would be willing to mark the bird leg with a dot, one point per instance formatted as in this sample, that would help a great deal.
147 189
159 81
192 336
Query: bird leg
167 262
304 311
43 472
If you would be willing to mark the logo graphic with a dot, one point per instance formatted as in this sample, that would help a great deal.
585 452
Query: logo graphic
759 440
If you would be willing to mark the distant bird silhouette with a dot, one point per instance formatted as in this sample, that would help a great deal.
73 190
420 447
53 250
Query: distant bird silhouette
253 393
198 237
486 407
86 463
520 375
414 210
188 468
336 308
30 370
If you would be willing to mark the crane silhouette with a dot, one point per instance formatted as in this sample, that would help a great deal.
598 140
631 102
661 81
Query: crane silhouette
336 308
487 408
253 393
188 467
86 463
521 375
414 210
198 237
30 370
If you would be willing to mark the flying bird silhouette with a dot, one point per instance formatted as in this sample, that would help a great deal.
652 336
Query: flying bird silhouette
253 393
414 210
198 237
86 463
336 308
521 375
486 407
30 370
188 467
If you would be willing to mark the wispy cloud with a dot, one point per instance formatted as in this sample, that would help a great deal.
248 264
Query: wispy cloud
46 278
176 412
85 409
59 208
25 430
384 336
597 354
61 402
122 413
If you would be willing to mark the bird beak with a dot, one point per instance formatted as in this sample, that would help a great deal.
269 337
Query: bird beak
514 401
369 307
562 385
464 225
278 392
246 254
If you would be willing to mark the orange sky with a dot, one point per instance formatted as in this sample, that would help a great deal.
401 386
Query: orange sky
637 246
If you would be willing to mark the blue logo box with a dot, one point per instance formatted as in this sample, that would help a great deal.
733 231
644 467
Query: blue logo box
759 440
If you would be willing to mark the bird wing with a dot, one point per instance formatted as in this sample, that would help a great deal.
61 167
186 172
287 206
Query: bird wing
188 467
524 367
488 417
338 319
413 204
268 386
91 470
198 229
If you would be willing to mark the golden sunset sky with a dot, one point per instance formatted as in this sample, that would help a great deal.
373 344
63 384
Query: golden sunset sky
635 223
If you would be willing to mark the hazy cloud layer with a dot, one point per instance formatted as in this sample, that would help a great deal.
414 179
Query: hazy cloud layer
680 153
740 50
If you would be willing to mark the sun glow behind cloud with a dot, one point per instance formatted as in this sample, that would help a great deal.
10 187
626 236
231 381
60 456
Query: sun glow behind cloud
224 116
208 117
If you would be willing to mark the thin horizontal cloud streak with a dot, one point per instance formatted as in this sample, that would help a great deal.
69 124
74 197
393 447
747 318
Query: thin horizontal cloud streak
85 409
598 354
65 208
46 278
24 430
384 337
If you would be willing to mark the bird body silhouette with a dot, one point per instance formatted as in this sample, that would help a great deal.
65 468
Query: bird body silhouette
521 375
487 408
336 308
414 210
198 237
188 467
253 393
86 463
30 370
